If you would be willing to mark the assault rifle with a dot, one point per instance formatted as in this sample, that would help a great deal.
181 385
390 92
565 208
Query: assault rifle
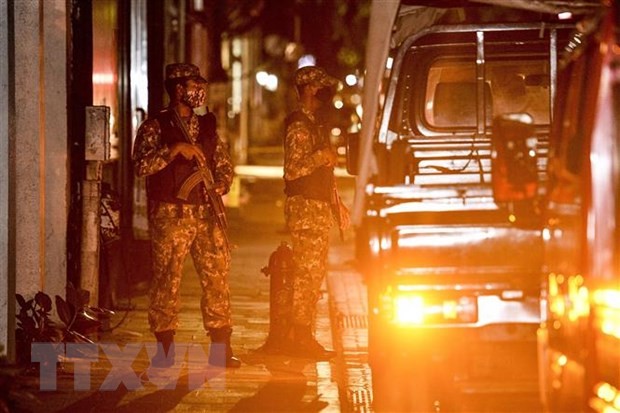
335 205
203 176
335 198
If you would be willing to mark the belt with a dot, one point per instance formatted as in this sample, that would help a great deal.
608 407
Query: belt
180 210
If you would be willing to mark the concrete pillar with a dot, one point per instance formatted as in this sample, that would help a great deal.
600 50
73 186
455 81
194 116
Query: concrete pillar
7 279
91 222
40 141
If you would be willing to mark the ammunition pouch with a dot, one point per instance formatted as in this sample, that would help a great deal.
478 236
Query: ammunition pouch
318 185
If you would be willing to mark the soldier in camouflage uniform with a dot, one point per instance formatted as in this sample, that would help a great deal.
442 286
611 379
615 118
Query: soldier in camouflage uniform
178 226
312 203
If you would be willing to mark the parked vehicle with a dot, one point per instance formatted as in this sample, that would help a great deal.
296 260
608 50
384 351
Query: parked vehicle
450 238
579 341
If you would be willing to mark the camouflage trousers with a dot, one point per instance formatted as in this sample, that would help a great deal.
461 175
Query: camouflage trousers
309 222
174 234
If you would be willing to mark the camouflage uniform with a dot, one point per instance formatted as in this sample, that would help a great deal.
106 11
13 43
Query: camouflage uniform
179 228
308 219
309 222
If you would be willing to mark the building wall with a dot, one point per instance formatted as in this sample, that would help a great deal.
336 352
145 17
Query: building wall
7 287
33 160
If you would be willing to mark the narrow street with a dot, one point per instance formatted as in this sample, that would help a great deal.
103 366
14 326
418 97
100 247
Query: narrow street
476 144
264 382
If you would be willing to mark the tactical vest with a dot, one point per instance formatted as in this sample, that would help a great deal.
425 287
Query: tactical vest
164 185
320 183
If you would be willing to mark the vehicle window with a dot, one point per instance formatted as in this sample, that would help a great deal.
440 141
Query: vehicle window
511 86
519 87
451 94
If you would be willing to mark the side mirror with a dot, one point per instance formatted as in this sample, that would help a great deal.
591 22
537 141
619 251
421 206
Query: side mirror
353 150
514 158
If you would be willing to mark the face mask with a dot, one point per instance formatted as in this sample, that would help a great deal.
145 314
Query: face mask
324 95
195 98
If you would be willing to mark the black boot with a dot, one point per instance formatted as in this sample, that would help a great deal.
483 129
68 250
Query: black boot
306 345
164 357
279 341
220 352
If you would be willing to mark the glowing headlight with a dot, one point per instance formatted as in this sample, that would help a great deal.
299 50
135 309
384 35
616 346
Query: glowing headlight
409 309
415 308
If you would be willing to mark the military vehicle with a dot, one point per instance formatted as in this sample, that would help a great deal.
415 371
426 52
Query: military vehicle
451 165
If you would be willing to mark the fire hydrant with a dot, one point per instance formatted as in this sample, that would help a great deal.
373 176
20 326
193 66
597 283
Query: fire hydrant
280 269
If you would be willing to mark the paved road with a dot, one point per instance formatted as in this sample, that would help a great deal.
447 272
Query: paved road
264 383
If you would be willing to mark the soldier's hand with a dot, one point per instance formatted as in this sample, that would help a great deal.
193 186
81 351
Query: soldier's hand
220 188
189 152
330 156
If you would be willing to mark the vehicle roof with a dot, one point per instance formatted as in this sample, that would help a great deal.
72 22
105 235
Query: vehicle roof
405 17
416 15
541 6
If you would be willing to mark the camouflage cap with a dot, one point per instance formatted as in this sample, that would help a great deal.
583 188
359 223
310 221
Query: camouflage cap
183 71
314 74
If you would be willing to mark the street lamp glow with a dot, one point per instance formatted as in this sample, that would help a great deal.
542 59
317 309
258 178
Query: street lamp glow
351 80
271 83
355 127
359 110
306 60
262 77
103 78
565 15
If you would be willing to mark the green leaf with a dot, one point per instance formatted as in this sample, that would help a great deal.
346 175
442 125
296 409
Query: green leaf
29 326
85 322
20 300
43 300
64 312
79 338
23 312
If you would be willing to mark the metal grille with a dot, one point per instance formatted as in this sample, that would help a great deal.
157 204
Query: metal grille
353 321
361 400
